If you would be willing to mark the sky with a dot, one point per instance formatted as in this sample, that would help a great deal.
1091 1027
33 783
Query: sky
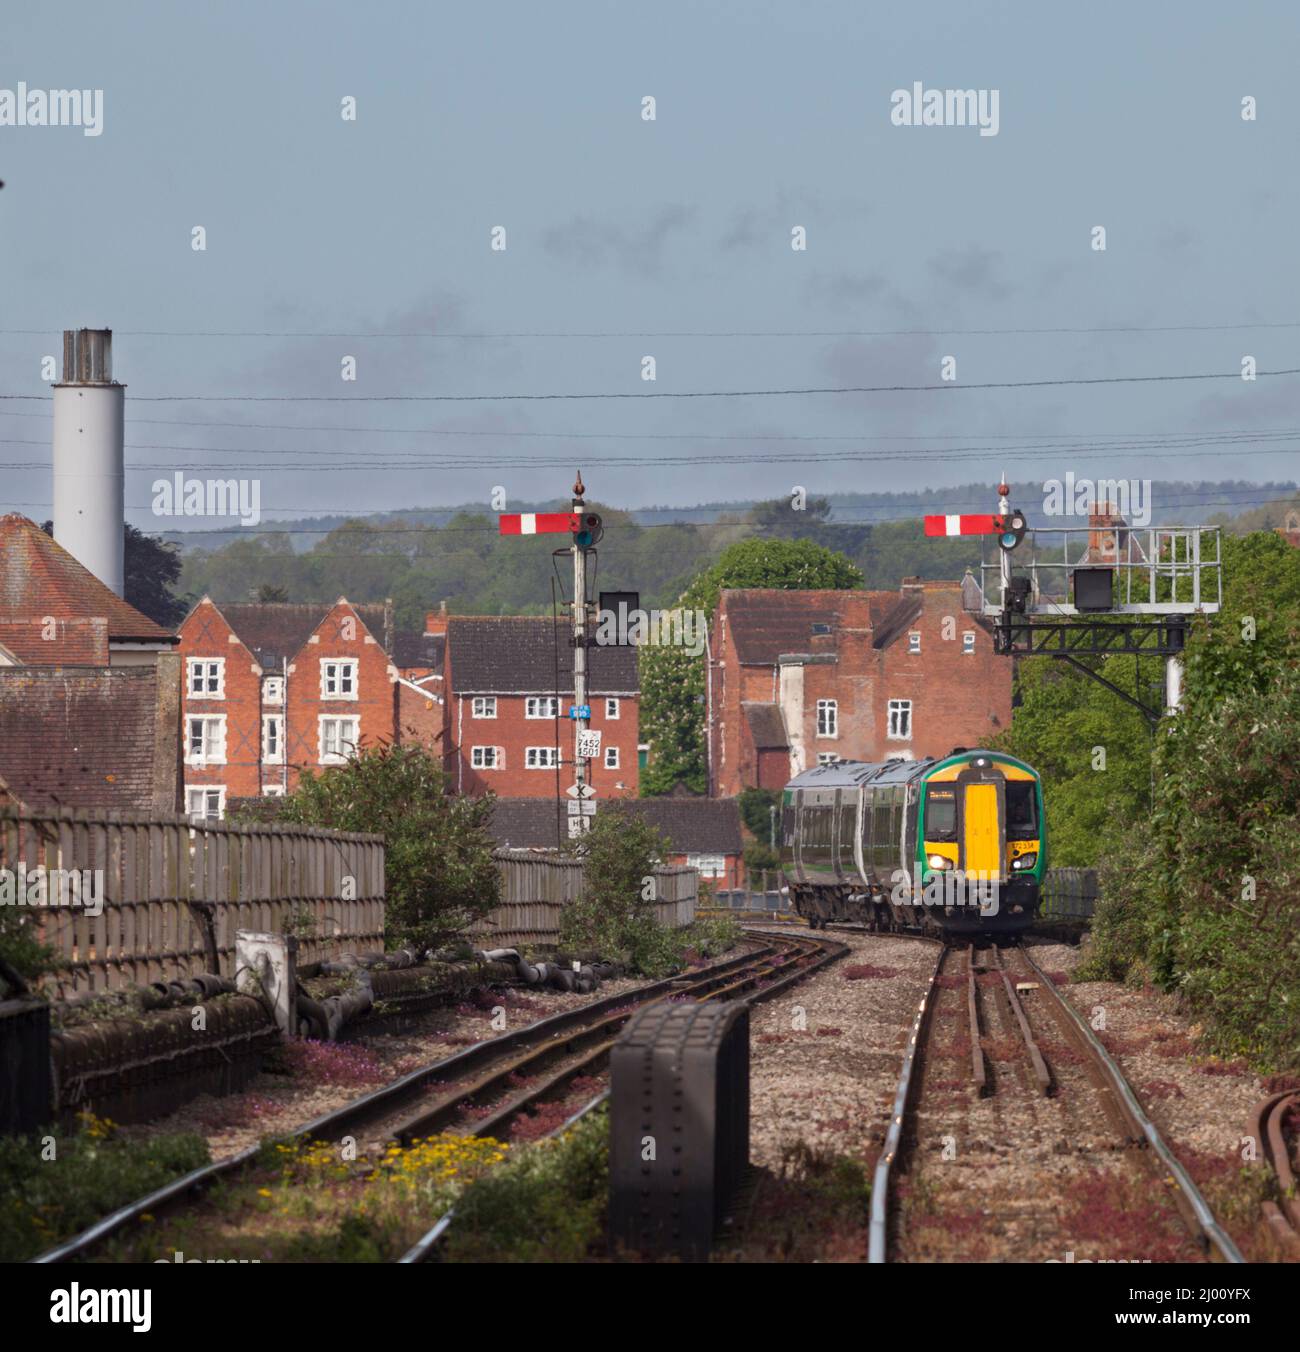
669 238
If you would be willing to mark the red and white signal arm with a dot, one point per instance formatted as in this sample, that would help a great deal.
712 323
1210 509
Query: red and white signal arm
961 525
539 523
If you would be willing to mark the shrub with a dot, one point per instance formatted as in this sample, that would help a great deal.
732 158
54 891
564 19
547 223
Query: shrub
438 863
546 1204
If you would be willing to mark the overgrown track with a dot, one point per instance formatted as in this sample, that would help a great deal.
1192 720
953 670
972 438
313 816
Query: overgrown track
549 1053
1043 1019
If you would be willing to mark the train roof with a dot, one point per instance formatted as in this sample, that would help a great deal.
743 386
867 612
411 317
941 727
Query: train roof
847 774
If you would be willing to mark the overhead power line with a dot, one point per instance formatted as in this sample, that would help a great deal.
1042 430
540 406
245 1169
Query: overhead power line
946 386
456 335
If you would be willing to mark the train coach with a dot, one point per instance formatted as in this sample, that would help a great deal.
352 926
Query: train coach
955 845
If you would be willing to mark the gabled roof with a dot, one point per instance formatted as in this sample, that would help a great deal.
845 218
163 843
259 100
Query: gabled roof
691 825
79 737
766 622
278 630
38 577
766 726
517 654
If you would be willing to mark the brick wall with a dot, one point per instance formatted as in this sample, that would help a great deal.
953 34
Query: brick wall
206 637
513 732
341 637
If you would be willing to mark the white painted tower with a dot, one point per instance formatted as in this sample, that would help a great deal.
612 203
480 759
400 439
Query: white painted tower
89 476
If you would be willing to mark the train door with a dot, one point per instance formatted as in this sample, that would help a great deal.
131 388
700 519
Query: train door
982 815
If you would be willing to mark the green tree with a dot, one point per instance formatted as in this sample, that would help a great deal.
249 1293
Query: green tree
615 915
438 866
672 681
1199 892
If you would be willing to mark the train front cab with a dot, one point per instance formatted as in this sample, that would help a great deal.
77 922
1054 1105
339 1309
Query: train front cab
981 814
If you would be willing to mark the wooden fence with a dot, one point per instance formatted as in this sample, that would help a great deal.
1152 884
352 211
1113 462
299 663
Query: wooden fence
1069 894
173 893
535 888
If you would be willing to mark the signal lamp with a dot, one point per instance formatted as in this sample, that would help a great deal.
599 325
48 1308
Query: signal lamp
1011 529
589 530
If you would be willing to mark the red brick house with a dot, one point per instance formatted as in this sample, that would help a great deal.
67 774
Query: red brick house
802 677
272 689
508 729
703 833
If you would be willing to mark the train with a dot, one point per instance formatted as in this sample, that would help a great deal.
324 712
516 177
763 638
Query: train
954 846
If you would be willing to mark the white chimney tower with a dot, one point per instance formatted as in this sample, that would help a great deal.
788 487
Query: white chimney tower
89 475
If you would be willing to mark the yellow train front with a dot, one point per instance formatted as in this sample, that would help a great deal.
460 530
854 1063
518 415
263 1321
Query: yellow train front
954 845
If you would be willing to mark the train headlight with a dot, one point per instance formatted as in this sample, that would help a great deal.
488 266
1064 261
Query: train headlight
1025 861
939 861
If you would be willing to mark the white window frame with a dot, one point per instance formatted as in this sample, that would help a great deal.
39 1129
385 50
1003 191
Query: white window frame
212 749
202 818
273 690
484 706
898 710
212 667
828 757
337 757
828 718
276 756
272 790
968 641
611 758
497 761
540 758
914 641
708 865
612 709
548 705
346 672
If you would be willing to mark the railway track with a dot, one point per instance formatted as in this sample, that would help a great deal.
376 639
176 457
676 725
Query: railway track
1267 1126
1002 1071
486 1089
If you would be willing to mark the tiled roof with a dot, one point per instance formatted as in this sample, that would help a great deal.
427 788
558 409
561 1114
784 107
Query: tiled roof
79 738
418 650
38 577
691 825
766 622
76 642
510 654
766 726
277 630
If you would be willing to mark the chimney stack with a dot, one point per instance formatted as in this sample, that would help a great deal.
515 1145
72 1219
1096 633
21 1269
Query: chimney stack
89 474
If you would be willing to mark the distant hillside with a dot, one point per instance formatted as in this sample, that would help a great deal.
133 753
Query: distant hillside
425 556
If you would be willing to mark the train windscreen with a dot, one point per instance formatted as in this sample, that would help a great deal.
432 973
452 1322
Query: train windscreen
941 815
1022 811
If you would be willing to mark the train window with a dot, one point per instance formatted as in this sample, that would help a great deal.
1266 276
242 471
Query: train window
941 815
880 831
1022 815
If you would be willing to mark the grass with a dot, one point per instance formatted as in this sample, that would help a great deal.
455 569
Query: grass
311 1201
44 1201
546 1205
